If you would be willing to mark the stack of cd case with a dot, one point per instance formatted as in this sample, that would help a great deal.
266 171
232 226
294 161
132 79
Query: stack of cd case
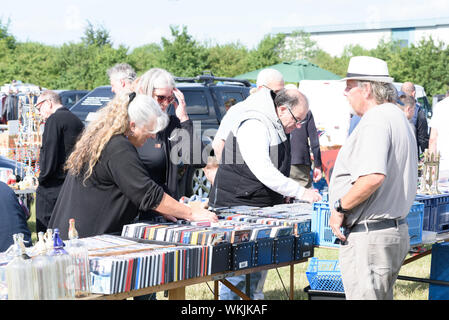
121 265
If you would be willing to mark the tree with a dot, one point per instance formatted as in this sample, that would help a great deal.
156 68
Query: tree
9 39
267 52
298 45
145 57
183 56
228 60
96 36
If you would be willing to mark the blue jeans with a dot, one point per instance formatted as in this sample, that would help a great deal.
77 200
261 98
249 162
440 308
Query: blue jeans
257 281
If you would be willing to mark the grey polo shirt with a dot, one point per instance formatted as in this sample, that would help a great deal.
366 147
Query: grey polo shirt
383 142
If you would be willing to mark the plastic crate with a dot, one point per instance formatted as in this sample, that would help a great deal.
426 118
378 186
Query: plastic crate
415 223
320 225
436 212
324 236
440 213
439 270
324 275
428 223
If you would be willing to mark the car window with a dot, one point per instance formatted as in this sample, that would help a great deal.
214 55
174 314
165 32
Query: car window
230 98
196 102
91 102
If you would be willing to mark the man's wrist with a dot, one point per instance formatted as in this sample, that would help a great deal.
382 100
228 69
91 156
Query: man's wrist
339 208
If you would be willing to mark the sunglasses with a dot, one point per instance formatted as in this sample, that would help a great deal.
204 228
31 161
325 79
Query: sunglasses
161 99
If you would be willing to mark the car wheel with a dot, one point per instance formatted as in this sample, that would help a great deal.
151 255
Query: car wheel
198 183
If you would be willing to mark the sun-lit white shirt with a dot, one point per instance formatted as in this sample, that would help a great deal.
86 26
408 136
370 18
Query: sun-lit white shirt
254 144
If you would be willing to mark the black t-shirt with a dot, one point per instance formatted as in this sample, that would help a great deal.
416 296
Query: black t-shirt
118 187
154 158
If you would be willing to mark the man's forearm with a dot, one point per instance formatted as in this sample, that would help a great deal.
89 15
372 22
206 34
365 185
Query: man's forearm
362 189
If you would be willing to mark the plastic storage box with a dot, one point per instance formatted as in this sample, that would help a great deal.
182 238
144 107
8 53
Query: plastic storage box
439 270
324 275
436 212
324 236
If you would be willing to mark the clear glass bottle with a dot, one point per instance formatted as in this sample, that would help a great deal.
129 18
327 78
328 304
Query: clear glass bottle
64 268
19 276
73 233
45 277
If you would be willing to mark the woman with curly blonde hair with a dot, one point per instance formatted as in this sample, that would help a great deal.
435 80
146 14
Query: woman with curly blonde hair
107 184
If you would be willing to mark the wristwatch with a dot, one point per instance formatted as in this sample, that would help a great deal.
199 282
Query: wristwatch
338 208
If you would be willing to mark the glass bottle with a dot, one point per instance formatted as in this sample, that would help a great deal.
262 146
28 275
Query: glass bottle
80 261
64 268
19 275
73 233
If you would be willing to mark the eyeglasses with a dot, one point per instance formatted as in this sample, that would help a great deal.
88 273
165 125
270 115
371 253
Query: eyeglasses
38 105
298 123
161 99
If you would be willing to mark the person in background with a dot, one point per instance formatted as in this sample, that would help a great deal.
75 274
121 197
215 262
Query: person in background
13 218
419 119
408 106
373 184
107 184
61 131
121 77
301 164
438 142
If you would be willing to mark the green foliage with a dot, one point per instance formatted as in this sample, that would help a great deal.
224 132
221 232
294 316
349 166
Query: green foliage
183 56
228 60
267 52
297 46
96 36
83 65
145 57
9 39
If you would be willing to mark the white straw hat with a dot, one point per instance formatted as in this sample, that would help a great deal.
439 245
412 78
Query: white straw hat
369 69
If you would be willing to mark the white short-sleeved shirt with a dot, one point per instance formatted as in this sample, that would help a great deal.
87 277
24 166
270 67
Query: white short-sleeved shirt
383 142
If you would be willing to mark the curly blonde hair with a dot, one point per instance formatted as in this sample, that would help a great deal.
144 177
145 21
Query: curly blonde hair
113 119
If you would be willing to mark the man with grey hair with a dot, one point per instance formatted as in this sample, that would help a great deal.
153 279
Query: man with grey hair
373 184
121 77
254 172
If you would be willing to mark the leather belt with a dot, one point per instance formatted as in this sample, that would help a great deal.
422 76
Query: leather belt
377 225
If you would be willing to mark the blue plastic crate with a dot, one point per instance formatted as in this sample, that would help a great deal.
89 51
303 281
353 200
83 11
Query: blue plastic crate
439 270
436 212
324 236
415 223
428 223
320 225
324 275
440 212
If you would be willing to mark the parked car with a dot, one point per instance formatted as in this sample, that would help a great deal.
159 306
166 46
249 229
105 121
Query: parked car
70 97
207 98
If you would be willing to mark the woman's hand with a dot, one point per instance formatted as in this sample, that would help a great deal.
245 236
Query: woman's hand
180 106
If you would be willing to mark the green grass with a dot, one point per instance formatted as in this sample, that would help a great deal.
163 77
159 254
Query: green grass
277 289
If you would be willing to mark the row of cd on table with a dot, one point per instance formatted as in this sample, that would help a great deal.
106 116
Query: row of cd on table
150 254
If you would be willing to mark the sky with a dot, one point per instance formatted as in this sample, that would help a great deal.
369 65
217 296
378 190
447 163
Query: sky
134 23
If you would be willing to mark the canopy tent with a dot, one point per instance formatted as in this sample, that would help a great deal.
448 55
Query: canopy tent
295 71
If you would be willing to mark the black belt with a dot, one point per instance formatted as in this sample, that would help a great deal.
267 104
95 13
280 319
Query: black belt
377 225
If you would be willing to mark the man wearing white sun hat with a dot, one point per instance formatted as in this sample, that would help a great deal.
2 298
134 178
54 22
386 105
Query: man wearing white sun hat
373 184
